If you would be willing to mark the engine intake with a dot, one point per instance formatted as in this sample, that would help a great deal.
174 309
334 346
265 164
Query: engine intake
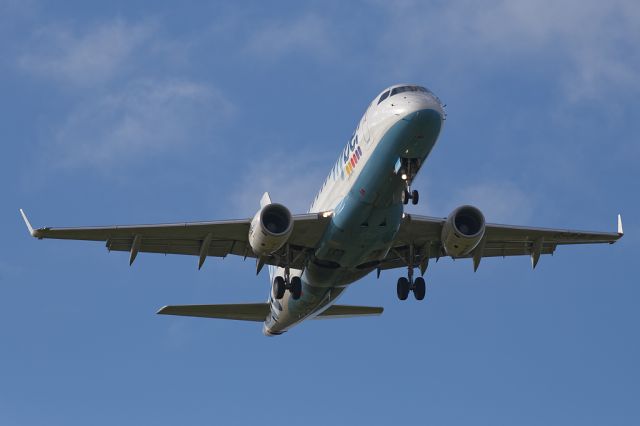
270 229
462 231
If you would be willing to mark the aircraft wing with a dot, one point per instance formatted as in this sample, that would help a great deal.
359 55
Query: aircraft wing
499 240
218 238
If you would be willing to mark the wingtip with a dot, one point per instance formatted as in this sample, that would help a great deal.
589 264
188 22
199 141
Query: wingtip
620 230
26 221
161 310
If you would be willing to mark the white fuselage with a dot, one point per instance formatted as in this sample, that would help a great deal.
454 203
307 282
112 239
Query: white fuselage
363 192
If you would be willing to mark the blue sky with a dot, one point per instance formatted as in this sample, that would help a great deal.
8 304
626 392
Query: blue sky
142 112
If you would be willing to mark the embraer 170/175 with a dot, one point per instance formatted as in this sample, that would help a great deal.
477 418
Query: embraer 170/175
356 225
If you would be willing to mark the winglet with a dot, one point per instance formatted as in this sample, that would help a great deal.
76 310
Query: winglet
26 221
620 231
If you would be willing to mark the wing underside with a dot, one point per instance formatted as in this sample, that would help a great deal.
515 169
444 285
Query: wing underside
420 236
202 239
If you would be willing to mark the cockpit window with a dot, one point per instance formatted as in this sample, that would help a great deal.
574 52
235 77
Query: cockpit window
384 96
408 89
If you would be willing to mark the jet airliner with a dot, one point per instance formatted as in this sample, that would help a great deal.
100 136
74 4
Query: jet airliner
356 225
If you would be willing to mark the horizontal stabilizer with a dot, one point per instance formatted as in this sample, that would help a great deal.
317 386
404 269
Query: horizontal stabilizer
259 311
346 311
241 312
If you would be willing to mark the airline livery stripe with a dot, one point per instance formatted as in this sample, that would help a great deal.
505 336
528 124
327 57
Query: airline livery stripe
353 161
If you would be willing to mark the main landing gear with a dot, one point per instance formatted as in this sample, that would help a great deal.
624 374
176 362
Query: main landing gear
408 170
408 284
418 286
282 284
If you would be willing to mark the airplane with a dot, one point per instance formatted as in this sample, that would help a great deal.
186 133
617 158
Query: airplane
355 225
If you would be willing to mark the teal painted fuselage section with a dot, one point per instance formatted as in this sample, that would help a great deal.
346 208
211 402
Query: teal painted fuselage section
364 223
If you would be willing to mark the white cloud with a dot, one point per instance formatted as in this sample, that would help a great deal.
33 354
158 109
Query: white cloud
145 119
85 58
590 45
120 112
308 34
290 178
498 201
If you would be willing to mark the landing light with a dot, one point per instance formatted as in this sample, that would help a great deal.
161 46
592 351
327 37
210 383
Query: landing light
404 176
327 214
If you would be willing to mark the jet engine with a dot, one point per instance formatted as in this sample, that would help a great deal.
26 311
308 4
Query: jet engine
462 231
270 229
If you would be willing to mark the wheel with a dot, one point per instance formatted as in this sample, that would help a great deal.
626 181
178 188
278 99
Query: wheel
278 287
296 288
403 288
414 197
419 288
405 196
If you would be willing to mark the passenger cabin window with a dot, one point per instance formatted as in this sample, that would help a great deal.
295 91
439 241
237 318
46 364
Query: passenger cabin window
403 89
384 96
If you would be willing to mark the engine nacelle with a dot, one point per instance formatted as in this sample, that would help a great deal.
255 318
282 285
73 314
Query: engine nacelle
462 231
270 229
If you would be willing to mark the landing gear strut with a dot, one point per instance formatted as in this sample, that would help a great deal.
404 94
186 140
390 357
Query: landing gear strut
281 284
407 172
408 284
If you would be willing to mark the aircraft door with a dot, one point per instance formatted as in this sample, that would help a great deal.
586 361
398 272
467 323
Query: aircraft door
365 128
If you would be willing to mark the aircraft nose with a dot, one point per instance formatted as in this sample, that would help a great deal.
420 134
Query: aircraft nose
421 106
434 104
422 128
431 117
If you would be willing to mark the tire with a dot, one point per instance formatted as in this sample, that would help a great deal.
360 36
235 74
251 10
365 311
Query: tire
405 196
296 288
419 288
414 197
278 287
403 288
